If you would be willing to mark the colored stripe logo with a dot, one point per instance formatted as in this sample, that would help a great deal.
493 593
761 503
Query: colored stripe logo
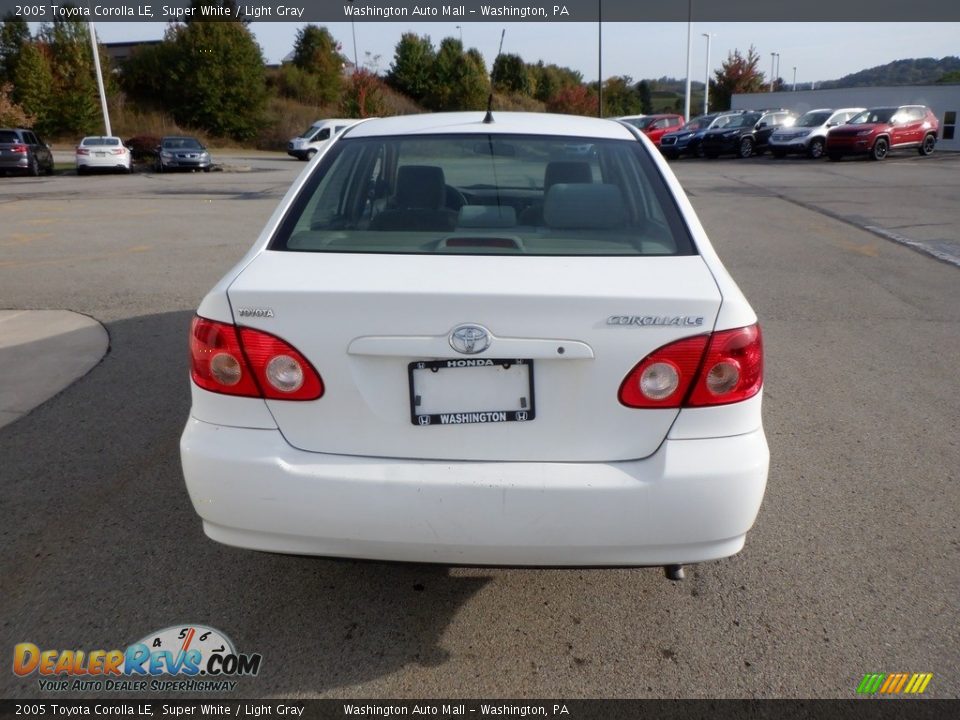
894 683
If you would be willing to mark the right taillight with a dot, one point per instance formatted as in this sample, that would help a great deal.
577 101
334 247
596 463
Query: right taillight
717 369
249 363
732 368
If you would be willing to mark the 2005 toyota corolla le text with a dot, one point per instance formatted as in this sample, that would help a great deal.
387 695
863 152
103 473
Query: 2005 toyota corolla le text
615 418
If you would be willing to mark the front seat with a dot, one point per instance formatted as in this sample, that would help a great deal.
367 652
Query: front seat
557 171
418 203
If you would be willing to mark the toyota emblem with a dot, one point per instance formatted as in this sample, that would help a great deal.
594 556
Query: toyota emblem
469 339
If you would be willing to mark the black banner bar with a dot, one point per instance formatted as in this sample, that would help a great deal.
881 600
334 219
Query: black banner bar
430 11
272 709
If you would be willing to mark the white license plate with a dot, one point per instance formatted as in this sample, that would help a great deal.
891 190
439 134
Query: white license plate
459 392
100 154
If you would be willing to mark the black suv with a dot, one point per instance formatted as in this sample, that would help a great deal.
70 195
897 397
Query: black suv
745 135
23 151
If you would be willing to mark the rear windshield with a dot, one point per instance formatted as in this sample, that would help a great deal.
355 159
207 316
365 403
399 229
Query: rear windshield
108 141
877 115
491 195
8 136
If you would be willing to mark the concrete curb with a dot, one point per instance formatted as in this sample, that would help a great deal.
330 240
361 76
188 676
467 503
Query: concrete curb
42 352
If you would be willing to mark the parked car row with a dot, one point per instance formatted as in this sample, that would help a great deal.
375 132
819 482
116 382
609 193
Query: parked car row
873 132
23 152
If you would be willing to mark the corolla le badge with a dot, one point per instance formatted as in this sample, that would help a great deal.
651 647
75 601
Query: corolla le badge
469 339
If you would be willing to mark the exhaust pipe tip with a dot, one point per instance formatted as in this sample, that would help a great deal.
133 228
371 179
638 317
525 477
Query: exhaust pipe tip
674 572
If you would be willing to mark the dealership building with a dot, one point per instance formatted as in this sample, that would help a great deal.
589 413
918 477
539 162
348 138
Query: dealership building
944 100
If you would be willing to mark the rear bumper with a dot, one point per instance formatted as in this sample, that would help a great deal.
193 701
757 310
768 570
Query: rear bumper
691 501
107 162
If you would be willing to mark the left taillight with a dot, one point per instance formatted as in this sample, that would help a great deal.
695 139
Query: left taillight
249 363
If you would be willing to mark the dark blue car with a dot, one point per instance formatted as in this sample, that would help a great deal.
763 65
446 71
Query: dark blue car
686 140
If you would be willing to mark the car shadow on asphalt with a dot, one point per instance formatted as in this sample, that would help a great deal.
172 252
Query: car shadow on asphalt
103 546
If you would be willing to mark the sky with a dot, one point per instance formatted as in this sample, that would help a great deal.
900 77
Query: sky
819 51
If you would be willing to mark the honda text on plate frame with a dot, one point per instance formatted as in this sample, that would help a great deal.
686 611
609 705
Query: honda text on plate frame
438 378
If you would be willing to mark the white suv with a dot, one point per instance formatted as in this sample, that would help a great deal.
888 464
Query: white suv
808 135
458 341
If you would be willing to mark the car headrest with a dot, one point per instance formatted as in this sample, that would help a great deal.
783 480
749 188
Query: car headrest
420 187
582 206
566 171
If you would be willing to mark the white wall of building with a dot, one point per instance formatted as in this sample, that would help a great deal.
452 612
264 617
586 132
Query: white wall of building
944 100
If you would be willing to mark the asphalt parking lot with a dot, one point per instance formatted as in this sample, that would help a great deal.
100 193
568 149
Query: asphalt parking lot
853 565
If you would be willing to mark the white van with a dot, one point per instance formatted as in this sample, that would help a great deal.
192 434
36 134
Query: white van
315 138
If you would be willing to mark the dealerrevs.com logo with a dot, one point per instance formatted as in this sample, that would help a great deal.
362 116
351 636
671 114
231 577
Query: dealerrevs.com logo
181 658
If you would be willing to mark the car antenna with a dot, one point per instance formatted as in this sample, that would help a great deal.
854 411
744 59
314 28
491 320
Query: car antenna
488 118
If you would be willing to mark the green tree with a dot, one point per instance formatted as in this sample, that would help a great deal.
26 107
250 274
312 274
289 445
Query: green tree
316 54
550 79
216 78
459 79
77 107
14 32
412 67
33 87
143 77
620 97
510 75
949 77
737 74
646 98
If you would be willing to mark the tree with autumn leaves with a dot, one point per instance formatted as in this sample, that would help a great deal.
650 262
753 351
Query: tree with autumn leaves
737 74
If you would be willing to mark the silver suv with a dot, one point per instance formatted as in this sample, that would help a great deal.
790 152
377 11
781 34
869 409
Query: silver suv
809 134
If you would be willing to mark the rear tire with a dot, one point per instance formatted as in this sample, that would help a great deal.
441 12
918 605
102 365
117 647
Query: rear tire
880 149
746 148
33 169
928 145
815 150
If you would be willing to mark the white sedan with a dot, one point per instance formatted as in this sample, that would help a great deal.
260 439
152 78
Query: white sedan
102 153
457 341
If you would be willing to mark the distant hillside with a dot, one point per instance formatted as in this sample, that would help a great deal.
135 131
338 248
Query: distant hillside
915 71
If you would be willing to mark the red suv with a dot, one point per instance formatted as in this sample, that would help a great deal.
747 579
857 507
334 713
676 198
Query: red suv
656 126
877 131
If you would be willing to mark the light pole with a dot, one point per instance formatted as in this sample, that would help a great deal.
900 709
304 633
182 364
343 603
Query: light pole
599 58
794 78
460 28
706 82
96 65
353 29
686 97
776 75
772 56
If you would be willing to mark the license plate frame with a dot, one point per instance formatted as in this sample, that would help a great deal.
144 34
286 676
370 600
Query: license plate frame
472 416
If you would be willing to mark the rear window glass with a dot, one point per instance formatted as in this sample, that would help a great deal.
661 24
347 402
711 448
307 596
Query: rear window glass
476 194
8 136
101 141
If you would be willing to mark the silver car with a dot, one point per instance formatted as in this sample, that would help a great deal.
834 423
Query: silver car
808 135
182 153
